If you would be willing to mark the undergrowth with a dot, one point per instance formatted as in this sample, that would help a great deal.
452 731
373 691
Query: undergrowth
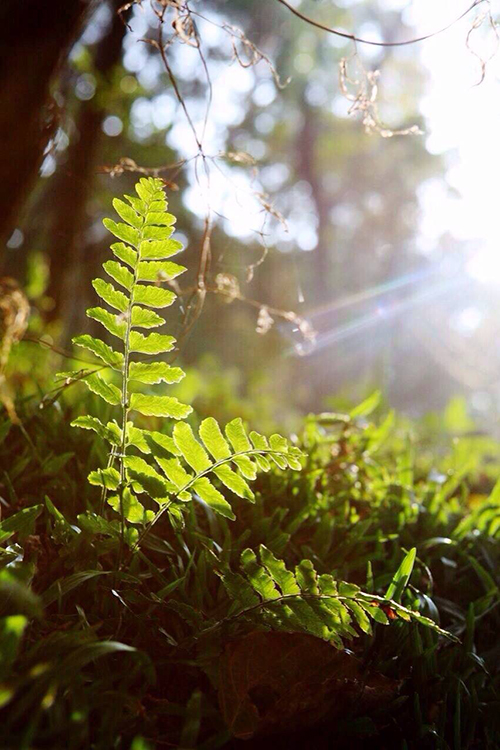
349 595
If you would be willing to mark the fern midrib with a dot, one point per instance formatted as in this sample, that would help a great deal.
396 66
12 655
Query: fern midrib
126 359
359 597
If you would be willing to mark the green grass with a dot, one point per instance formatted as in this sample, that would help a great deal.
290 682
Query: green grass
105 648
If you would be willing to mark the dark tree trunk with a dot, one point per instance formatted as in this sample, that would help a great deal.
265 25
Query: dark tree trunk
74 182
35 38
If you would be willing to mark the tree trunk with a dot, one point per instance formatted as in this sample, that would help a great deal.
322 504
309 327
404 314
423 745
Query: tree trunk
74 183
35 38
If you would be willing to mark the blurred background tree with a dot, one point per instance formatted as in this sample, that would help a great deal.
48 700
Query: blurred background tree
313 210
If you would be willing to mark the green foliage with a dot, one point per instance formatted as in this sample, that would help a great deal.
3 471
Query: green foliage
303 601
363 550
191 541
186 468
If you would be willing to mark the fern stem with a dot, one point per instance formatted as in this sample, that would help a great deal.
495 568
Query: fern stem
126 399
361 596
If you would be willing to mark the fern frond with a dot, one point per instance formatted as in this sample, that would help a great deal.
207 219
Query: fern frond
268 593
186 465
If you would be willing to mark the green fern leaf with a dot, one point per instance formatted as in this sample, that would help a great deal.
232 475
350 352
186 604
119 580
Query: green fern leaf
154 343
149 228
159 406
148 189
194 453
155 233
246 467
92 423
123 232
136 437
130 506
214 440
159 270
259 441
119 273
125 254
278 570
306 577
106 391
142 318
261 581
111 323
235 433
213 498
145 479
279 460
127 213
137 204
239 590
155 249
158 203
262 462
153 296
108 478
155 372
158 217
101 350
159 445
361 617
109 294
234 482
175 471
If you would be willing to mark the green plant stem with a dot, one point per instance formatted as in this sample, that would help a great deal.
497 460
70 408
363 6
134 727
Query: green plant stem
126 402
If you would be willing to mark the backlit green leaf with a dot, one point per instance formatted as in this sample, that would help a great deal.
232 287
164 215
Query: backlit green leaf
154 343
111 323
119 273
175 471
160 445
142 318
155 372
401 576
127 213
109 294
234 482
146 479
193 452
130 507
159 270
100 349
213 439
235 433
123 232
156 233
87 422
125 254
137 204
109 478
153 296
158 249
213 498
283 577
159 406
258 576
159 217
107 391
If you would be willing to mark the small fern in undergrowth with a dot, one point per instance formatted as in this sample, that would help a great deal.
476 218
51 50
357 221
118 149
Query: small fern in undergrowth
176 465
266 592
174 468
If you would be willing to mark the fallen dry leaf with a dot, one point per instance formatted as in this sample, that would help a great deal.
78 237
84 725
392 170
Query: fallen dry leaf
282 682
